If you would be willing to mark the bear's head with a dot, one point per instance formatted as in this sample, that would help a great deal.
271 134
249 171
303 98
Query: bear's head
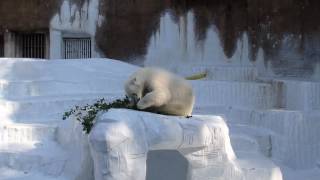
134 89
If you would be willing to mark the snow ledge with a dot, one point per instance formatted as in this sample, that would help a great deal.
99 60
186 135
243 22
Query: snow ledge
121 139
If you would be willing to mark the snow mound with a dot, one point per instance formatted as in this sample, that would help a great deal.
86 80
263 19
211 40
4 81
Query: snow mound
121 140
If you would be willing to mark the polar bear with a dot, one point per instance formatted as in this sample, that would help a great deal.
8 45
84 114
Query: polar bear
157 90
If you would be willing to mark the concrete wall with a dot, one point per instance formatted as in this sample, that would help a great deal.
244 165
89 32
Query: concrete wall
280 39
73 20
176 45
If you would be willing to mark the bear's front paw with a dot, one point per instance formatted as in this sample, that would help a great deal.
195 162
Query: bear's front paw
142 104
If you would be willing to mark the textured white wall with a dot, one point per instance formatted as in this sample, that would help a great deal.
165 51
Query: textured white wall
76 20
175 46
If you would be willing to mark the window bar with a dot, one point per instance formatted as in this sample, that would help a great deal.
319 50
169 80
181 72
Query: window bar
85 41
41 42
67 46
82 52
90 52
77 51
15 45
26 47
65 49
87 48
78 47
23 46
86 44
24 53
72 49
35 44
38 45
72 44
32 46
82 49
42 46
68 49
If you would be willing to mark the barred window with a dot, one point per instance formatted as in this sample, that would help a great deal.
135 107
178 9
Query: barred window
76 48
30 45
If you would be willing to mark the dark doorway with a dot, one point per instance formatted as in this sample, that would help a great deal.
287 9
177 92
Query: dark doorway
76 48
30 45
166 165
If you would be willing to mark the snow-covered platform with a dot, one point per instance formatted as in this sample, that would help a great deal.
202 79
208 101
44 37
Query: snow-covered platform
35 144
272 123
121 140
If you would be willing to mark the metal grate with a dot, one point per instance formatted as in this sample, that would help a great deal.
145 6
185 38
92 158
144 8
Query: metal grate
30 45
77 48
1 46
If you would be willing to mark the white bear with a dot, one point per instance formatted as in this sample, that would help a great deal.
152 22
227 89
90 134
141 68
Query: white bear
157 90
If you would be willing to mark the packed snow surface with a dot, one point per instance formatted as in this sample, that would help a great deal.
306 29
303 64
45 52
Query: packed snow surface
272 127
122 138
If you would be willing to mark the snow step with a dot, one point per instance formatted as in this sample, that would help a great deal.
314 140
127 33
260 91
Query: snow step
22 133
306 94
233 115
261 136
243 143
273 119
238 94
44 157
257 167
294 174
11 174
220 73
24 89
47 108
22 69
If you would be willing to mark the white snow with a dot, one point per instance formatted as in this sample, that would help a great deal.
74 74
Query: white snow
35 142
121 140
273 129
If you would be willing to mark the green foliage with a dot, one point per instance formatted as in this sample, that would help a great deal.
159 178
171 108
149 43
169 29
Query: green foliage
87 114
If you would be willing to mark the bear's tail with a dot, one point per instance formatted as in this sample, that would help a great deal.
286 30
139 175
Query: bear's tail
197 76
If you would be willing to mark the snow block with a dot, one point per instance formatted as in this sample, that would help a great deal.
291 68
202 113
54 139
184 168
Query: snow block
47 109
26 133
121 139
220 73
251 95
306 95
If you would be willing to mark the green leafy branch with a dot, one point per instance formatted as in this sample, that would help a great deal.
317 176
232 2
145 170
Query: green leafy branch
87 114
